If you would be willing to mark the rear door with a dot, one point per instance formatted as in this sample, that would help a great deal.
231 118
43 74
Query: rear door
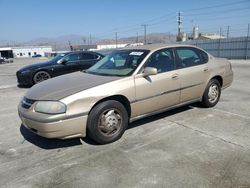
158 91
193 71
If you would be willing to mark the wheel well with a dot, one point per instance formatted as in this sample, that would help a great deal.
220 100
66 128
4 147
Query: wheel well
34 73
120 98
219 78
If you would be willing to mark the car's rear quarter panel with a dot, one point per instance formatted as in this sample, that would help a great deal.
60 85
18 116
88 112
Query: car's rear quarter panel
221 67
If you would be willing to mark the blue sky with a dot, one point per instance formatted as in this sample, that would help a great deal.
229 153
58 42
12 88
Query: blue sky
23 20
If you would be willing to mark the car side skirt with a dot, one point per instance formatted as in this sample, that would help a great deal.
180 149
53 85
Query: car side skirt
164 109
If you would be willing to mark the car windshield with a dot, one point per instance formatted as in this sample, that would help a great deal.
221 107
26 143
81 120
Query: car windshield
58 57
119 63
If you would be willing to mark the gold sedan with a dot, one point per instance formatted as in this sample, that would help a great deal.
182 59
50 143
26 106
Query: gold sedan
126 85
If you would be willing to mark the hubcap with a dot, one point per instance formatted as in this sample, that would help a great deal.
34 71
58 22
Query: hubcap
41 76
213 93
110 122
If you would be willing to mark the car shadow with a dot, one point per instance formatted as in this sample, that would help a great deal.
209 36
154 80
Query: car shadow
23 86
45 143
49 144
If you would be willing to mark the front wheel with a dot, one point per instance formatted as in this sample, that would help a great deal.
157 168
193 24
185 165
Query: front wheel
212 94
41 76
107 122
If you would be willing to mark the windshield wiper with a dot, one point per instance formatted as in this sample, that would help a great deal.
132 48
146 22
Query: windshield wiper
103 74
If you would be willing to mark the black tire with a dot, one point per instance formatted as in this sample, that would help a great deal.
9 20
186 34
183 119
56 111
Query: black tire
97 125
43 74
208 100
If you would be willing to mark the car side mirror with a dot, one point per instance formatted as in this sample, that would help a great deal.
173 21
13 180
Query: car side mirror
149 71
62 61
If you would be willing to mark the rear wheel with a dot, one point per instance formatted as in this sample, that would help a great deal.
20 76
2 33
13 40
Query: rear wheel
107 122
41 76
212 94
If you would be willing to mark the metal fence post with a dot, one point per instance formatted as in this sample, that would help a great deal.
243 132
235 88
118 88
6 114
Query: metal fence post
219 42
247 41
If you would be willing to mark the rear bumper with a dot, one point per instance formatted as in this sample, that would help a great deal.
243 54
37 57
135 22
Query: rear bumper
62 129
228 80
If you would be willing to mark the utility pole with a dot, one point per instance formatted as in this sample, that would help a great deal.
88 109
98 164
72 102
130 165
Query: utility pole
228 29
179 22
116 40
70 46
145 33
137 38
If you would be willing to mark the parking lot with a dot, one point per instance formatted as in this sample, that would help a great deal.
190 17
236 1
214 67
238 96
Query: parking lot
187 147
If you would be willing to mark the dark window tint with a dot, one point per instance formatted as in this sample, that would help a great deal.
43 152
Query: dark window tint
72 57
188 57
88 56
162 60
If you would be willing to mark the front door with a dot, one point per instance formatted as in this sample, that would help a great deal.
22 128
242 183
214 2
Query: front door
71 65
158 91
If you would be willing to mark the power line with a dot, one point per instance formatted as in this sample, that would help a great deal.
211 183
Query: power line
166 17
218 12
218 5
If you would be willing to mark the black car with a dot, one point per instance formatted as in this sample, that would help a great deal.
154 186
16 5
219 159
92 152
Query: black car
61 64
37 55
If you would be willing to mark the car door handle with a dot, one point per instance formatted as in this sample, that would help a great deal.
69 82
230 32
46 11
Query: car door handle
175 76
205 69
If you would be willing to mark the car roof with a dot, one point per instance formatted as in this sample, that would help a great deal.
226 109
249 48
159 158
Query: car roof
82 51
153 47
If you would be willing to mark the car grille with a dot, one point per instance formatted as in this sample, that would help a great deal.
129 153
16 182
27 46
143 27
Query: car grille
26 103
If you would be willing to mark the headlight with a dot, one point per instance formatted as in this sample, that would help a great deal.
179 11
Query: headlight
50 107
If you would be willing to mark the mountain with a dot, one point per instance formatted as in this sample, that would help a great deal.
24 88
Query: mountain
62 42
151 38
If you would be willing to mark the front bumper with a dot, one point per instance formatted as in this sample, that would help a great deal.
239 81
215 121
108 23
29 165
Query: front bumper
24 79
70 127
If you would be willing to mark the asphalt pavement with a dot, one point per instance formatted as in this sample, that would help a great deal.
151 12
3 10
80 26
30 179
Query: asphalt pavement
186 147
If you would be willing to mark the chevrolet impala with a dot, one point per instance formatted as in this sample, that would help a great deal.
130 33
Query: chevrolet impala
126 85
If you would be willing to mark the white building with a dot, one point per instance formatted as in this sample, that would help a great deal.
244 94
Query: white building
24 51
29 51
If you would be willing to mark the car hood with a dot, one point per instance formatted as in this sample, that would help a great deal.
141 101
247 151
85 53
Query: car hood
37 65
63 86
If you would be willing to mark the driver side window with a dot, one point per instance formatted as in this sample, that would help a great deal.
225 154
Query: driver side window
162 60
72 57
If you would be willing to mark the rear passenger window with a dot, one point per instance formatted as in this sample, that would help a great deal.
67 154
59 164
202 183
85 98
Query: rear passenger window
188 57
88 56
